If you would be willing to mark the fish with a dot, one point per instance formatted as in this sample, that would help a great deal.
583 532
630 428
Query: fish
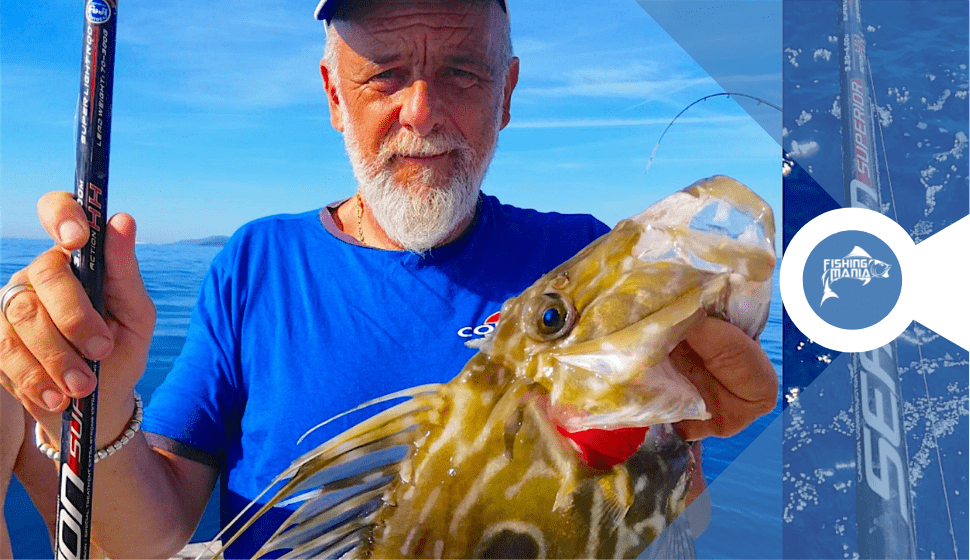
861 267
488 465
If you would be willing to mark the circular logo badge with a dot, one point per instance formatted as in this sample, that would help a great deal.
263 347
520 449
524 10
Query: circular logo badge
844 280
852 280
97 11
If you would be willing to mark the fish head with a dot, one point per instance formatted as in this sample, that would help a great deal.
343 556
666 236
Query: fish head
879 269
596 332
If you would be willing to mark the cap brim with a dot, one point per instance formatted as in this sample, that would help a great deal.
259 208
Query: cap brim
323 11
326 8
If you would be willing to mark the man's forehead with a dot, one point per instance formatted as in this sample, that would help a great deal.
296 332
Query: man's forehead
401 28
326 9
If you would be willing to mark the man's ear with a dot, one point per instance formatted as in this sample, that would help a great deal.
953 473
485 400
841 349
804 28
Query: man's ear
511 79
330 88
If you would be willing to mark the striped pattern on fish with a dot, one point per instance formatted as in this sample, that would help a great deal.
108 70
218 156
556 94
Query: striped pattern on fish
479 467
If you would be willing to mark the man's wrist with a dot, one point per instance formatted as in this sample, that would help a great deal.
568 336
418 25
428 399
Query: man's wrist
115 411
132 427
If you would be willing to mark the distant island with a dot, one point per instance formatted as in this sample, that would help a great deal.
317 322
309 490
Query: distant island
212 241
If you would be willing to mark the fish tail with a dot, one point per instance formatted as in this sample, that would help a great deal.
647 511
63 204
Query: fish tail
826 290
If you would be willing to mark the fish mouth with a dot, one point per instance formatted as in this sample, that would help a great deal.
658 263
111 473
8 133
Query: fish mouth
584 400
600 448
608 431
604 449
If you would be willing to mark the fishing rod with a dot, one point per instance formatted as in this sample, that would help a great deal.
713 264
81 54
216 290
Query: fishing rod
705 98
885 516
73 530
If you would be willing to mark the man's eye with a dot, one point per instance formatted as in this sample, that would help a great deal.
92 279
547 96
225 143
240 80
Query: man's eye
387 76
463 78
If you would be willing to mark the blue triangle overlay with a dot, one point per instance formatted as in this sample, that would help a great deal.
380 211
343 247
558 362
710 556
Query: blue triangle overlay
743 527
803 201
737 43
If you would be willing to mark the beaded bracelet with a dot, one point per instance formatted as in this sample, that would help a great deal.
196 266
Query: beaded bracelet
133 427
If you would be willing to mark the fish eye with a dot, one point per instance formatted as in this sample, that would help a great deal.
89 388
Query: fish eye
551 317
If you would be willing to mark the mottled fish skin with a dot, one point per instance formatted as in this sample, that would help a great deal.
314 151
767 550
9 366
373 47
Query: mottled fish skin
518 490
484 472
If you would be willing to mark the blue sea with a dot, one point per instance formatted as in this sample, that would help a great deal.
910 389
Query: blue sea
745 492
918 53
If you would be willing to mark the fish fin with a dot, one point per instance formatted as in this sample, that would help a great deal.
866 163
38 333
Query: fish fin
866 280
483 344
617 492
413 391
699 513
826 290
675 542
858 252
337 546
327 535
828 294
344 479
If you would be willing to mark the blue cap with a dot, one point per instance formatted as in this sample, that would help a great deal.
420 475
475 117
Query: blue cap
326 8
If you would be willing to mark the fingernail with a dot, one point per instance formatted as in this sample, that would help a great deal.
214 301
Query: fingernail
52 399
97 347
77 382
70 231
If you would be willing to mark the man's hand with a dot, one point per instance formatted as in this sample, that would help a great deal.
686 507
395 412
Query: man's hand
732 373
48 330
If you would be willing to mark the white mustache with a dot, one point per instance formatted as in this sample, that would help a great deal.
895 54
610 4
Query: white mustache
407 145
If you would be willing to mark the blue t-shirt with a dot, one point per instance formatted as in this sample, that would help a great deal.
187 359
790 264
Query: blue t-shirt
296 324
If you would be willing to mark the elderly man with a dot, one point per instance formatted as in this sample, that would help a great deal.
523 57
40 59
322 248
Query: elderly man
304 316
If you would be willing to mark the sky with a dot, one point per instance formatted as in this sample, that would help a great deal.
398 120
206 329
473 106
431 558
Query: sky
219 115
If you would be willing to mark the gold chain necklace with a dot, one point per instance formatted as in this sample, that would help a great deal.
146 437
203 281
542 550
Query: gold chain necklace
360 222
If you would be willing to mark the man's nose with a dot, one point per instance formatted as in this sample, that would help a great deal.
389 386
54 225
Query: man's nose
420 109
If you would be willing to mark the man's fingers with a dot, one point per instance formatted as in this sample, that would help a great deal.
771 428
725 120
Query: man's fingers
60 296
736 361
26 379
732 374
64 219
40 359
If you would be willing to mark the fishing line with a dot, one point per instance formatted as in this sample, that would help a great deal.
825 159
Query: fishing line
882 139
919 344
705 98
936 443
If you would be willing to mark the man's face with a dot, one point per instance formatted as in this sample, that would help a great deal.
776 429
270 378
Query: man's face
421 93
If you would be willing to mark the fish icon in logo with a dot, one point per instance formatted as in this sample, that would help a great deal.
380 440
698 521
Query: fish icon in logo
857 265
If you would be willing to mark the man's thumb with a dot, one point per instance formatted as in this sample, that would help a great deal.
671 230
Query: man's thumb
126 298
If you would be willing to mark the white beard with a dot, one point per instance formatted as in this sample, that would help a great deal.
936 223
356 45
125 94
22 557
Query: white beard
421 215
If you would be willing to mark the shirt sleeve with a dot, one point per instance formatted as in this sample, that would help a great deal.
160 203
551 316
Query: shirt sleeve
197 407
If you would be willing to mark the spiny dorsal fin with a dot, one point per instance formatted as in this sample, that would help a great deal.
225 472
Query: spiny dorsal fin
344 480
